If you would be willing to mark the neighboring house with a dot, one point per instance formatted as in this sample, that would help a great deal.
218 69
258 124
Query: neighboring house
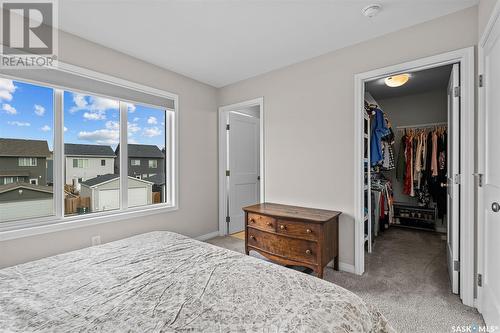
144 161
83 162
24 200
23 161
104 192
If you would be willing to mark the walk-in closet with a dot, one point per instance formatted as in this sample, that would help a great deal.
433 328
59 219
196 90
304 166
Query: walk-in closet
408 132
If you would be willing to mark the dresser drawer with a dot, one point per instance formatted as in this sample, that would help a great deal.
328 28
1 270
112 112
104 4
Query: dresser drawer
298 229
261 222
291 248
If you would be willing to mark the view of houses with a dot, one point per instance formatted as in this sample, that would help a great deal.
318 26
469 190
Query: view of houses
91 178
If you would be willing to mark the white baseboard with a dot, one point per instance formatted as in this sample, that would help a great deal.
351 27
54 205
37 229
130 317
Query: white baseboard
347 268
208 236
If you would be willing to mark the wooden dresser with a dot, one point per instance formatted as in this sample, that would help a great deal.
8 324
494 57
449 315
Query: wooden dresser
291 235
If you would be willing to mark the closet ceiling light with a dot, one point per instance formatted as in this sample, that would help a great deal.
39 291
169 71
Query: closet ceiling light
371 10
397 80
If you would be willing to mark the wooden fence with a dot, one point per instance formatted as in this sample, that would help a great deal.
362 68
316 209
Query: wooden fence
78 205
156 197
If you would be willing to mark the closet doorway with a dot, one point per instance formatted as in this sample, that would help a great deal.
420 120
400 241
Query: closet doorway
415 187
241 161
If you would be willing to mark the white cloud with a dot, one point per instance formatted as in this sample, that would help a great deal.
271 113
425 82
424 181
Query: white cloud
7 88
136 119
133 128
39 110
113 125
152 121
131 107
94 106
95 115
9 109
65 128
151 132
18 123
45 128
102 136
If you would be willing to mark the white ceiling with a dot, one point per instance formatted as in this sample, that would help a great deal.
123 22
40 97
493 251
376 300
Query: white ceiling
220 42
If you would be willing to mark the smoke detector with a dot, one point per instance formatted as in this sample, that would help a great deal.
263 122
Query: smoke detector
371 10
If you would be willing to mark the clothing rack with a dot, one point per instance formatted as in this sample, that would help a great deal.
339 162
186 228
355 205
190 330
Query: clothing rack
429 125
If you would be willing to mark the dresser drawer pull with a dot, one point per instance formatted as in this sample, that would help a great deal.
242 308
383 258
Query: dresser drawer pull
308 231
252 237
282 227
252 221
308 252
269 224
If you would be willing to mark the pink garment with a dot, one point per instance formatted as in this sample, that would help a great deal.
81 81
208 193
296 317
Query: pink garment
434 161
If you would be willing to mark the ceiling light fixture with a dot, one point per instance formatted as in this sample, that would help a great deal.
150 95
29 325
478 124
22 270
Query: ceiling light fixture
371 10
397 80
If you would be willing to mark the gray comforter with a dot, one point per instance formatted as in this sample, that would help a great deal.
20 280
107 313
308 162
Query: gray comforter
165 282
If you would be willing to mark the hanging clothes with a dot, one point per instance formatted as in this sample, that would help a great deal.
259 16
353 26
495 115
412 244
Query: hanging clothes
379 130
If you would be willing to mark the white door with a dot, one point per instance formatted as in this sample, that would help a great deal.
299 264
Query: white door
108 199
491 182
453 213
137 196
244 165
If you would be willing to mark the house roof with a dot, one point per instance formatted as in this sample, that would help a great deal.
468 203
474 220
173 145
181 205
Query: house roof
21 147
100 179
147 151
87 150
15 186
158 179
107 178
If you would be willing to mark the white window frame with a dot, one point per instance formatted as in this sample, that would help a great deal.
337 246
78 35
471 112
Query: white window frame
58 222
155 163
27 161
35 179
84 164
133 162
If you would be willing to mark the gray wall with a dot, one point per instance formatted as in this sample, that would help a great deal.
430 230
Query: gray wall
197 214
27 195
308 114
430 107
39 171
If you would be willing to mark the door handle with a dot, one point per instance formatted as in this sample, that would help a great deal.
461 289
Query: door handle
495 207
444 184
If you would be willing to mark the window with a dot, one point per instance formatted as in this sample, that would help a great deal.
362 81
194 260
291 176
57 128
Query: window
138 177
92 122
26 141
80 163
149 131
27 161
40 122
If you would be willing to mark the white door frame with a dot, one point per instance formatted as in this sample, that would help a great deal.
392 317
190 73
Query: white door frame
466 59
481 118
223 145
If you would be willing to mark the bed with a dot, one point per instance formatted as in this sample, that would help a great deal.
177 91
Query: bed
166 282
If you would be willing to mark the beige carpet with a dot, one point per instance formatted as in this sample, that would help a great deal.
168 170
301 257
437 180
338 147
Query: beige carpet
406 278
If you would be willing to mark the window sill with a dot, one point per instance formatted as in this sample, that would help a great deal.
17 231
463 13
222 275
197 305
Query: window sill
52 224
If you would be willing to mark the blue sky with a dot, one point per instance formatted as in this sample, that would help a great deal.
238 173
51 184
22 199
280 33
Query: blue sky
26 113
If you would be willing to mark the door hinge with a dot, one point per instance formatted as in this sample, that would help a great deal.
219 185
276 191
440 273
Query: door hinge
228 219
456 91
481 80
228 173
227 127
456 179
480 280
456 266
480 179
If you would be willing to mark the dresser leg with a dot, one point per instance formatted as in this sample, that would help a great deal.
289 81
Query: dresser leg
247 252
336 263
319 273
